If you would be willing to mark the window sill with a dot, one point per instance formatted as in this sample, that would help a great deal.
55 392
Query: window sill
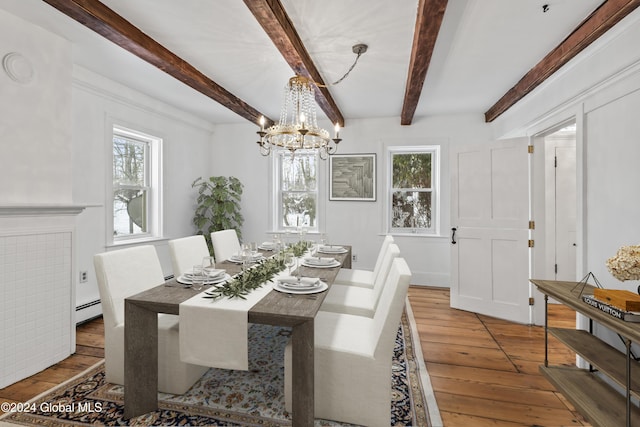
135 242
429 236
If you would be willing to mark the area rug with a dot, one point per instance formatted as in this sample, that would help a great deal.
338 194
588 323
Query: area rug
230 398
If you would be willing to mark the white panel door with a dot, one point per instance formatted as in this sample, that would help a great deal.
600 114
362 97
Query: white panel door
490 215
565 213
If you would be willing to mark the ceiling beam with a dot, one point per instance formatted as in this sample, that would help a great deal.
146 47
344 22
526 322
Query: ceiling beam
276 23
104 21
428 21
595 25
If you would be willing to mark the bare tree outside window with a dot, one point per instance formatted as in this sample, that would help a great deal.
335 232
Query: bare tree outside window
412 191
298 189
130 186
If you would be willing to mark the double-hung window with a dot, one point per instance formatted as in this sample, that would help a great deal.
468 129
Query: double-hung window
296 185
136 182
413 189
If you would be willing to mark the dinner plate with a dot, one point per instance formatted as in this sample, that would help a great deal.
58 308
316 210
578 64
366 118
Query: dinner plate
185 280
332 250
319 260
311 265
291 282
238 260
316 289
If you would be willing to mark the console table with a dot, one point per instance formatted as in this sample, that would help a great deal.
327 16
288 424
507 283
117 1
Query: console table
594 398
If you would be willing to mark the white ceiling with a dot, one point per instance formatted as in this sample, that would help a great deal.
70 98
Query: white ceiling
484 48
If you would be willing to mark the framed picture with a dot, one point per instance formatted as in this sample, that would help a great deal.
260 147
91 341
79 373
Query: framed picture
352 177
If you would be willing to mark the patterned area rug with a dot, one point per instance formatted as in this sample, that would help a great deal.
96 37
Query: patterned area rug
230 398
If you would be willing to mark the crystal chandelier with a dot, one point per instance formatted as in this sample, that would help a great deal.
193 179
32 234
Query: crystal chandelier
297 128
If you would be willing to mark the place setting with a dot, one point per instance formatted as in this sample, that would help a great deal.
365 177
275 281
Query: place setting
247 254
203 274
300 285
320 262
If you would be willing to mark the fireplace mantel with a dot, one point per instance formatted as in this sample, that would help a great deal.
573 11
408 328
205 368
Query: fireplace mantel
40 209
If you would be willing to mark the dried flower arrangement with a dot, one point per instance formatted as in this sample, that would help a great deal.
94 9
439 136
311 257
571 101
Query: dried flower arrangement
625 265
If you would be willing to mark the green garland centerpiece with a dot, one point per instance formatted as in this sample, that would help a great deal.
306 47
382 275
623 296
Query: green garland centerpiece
253 278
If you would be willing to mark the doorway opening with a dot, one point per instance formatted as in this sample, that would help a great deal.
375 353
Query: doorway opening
555 206
560 202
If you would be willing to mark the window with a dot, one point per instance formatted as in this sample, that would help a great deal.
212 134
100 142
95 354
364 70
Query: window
136 185
413 189
296 185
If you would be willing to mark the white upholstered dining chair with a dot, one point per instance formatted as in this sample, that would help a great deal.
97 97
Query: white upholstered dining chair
225 243
123 273
357 300
364 278
186 252
353 358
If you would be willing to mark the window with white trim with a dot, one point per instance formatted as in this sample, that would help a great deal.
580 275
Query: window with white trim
295 190
136 193
413 189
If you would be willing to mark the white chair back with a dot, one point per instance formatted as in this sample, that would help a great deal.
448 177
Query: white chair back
123 273
388 239
389 310
225 243
187 252
391 253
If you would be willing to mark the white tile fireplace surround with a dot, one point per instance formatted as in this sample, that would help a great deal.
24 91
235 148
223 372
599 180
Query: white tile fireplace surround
37 290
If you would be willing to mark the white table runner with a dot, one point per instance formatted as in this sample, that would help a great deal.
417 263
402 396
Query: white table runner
215 332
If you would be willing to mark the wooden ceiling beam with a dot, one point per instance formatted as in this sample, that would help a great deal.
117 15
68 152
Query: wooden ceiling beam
595 25
104 21
428 22
276 23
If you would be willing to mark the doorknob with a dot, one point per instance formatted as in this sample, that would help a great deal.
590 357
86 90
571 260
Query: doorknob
453 236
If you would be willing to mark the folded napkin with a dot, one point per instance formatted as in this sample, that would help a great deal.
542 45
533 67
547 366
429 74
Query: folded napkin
325 248
319 260
306 282
215 272
209 273
267 244
238 256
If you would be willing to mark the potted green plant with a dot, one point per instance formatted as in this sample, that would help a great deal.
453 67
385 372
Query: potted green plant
218 206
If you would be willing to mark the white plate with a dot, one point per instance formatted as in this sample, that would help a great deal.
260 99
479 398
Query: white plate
213 274
211 281
323 287
332 265
332 250
319 261
305 282
237 260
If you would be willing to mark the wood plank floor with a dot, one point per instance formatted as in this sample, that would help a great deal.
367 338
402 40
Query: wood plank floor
484 371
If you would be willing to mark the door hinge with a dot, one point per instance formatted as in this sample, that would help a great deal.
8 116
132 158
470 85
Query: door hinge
530 243
555 161
531 300
555 268
532 225
530 149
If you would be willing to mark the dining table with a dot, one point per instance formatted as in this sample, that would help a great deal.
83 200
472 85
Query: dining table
276 308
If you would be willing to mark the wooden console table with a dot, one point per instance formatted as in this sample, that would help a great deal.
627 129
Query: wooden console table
597 400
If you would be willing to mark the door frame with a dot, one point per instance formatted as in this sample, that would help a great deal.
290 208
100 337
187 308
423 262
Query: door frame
539 263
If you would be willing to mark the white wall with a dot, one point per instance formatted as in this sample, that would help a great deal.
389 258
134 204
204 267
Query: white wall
35 117
98 102
360 224
601 89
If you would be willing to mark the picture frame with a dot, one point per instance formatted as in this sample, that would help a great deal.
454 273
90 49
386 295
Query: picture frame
352 177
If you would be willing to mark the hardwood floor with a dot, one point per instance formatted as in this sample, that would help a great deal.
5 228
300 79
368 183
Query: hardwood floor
484 371
89 351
